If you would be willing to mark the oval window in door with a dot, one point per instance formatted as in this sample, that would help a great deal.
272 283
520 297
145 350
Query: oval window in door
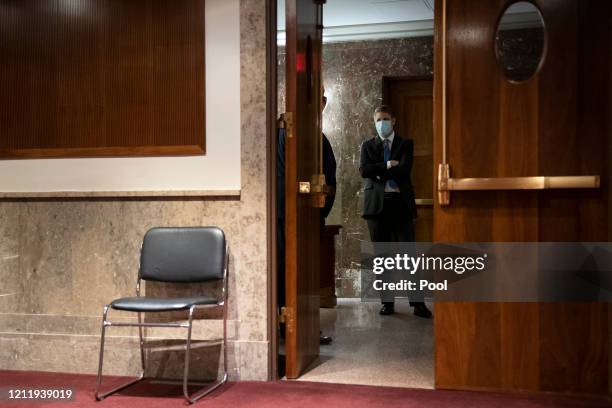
520 41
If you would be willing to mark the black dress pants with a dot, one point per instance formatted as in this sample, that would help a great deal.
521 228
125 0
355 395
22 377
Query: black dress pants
393 224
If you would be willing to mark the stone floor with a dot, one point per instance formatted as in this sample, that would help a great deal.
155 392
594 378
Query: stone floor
370 349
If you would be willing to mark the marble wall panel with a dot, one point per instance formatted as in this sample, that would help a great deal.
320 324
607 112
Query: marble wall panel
62 259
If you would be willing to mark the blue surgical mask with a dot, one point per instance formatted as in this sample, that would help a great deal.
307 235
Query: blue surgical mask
384 128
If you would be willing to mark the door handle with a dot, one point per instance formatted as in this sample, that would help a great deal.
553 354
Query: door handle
447 183
317 188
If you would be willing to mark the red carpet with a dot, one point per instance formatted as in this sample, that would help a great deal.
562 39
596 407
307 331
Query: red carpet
276 394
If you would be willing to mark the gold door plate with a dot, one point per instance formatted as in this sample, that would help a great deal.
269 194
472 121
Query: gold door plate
304 187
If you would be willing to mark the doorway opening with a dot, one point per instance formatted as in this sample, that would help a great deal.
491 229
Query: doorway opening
372 55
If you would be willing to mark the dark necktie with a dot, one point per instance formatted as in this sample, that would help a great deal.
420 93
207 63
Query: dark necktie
387 156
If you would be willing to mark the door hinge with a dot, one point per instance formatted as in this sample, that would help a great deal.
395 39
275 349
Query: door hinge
287 123
287 316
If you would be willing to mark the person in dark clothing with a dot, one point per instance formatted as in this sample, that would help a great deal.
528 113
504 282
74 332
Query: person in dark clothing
329 170
389 206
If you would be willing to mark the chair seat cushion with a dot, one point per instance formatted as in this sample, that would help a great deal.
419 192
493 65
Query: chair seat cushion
149 304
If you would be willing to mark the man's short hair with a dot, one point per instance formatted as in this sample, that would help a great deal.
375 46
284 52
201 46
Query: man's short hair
384 109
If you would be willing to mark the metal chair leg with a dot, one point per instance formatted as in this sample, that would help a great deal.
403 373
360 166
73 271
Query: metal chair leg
187 357
142 352
101 357
98 396
209 388
225 340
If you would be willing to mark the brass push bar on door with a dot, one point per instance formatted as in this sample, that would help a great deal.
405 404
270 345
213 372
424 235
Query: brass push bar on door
446 184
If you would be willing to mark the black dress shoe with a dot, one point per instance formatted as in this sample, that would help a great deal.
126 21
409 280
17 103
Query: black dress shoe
387 308
420 310
325 340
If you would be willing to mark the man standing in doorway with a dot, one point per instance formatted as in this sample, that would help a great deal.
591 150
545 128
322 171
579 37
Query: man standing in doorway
389 205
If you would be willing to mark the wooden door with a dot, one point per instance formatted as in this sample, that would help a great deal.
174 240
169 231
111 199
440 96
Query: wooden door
554 124
411 98
303 162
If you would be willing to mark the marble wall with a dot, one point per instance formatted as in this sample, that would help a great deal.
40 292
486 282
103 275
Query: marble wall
62 259
352 77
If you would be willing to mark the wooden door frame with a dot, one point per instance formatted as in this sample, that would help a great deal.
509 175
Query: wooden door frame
387 79
271 168
386 82
271 193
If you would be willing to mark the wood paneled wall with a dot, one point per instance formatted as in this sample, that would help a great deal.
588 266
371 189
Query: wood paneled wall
411 99
554 124
101 78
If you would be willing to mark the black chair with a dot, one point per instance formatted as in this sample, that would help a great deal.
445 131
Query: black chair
177 255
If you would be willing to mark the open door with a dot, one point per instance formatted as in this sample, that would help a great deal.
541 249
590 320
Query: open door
304 183
502 133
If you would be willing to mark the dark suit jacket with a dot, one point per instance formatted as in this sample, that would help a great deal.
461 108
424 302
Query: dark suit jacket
374 170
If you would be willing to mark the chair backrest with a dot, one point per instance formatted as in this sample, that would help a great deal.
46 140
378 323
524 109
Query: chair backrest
183 255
